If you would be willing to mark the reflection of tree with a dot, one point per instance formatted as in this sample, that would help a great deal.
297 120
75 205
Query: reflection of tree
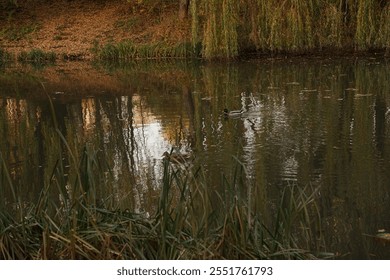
19 128
380 123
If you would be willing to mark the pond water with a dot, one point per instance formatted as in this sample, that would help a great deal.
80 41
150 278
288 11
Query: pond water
319 124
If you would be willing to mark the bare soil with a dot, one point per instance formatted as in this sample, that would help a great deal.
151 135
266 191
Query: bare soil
73 28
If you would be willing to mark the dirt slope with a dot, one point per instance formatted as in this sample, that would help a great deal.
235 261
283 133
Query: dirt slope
72 28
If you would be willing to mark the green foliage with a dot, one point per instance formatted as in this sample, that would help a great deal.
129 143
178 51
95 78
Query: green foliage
366 24
232 27
382 39
37 56
127 50
220 39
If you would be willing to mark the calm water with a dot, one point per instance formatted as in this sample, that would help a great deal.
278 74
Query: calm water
317 124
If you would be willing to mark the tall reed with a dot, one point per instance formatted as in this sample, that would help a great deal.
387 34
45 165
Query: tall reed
187 224
127 50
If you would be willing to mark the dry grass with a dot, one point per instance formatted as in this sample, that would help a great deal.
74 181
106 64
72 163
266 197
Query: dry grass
74 219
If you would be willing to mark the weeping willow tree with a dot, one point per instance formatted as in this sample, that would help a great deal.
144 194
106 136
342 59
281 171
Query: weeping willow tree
219 22
227 27
383 41
366 23
373 24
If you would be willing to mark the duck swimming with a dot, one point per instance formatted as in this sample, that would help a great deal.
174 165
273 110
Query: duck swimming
235 113
253 113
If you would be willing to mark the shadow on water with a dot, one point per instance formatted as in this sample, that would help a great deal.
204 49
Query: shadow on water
319 123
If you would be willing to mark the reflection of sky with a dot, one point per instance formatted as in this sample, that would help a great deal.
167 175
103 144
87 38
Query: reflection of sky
151 141
149 145
153 145
88 113
148 132
135 140
145 161
134 136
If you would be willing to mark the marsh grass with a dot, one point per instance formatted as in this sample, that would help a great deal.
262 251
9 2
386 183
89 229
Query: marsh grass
72 220
127 50
37 56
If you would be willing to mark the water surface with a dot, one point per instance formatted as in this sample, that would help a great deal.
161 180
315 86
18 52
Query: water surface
320 124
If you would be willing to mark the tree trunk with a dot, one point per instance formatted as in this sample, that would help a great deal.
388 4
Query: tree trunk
183 9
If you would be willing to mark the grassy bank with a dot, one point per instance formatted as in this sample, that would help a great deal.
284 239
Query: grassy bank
221 29
35 57
75 218
228 29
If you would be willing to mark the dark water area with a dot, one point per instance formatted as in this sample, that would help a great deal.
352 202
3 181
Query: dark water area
316 124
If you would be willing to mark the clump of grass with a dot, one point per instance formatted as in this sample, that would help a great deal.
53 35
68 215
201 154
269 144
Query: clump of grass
16 33
37 56
4 56
127 50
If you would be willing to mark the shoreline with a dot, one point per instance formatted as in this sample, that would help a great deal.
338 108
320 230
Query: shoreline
117 30
52 57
